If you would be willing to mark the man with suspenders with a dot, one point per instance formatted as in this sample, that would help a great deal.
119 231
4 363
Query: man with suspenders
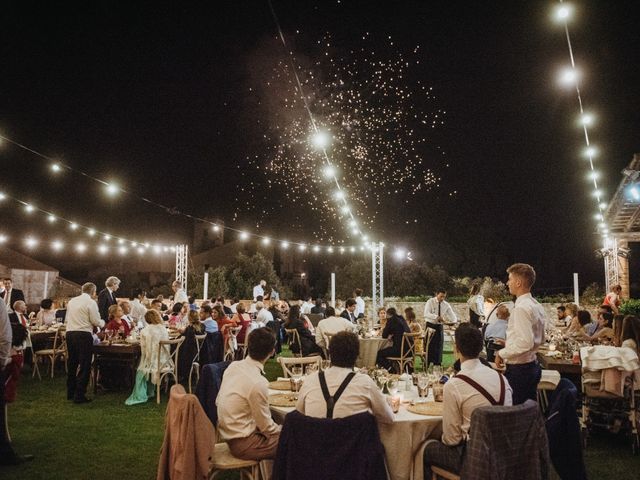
475 386
340 392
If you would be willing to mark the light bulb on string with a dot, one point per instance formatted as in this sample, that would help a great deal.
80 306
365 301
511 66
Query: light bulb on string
284 244
112 189
302 247
57 245
3 238
91 232
339 195
140 250
341 249
329 171
330 249
266 241
563 12
102 249
244 236
352 249
316 248
73 226
81 247
400 254
568 77
29 208
123 250
593 175
55 167
590 152
106 238
345 210
120 241
31 242
586 119
51 218
602 205
216 228
320 139
2 196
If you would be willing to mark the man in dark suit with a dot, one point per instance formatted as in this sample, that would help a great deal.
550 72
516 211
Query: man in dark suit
11 295
348 312
19 314
107 297
318 309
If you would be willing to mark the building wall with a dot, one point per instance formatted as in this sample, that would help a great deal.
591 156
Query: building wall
33 283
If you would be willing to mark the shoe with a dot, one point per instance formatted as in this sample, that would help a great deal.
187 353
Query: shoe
82 400
16 459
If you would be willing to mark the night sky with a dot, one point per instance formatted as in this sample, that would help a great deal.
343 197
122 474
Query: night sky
179 104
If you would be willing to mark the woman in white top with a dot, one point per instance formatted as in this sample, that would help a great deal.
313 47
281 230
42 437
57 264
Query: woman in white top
476 306
148 374
47 314
631 333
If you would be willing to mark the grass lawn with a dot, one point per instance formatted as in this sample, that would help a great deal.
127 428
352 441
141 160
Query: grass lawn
107 440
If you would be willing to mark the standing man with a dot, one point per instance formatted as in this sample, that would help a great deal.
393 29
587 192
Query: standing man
349 311
11 295
359 303
82 317
179 295
107 297
137 308
525 333
437 312
258 290
243 402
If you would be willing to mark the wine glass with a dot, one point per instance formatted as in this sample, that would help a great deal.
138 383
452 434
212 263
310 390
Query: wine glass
296 372
437 371
383 378
423 385
392 386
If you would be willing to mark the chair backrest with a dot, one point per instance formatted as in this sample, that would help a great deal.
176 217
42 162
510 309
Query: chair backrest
199 341
294 338
287 362
167 356
409 344
428 335
315 318
499 435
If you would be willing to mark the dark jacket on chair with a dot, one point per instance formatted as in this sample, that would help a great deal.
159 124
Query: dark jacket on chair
212 350
208 388
345 448
563 432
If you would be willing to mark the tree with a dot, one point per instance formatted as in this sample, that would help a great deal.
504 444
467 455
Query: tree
246 271
352 275
218 285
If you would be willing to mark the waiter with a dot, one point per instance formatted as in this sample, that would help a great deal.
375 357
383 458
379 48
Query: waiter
437 312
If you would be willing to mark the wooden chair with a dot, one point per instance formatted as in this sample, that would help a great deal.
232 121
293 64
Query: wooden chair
222 460
428 335
407 351
34 363
59 350
232 344
287 362
168 351
195 365
437 472
294 339
327 337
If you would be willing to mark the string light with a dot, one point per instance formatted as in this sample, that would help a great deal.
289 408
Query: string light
73 226
568 77
329 171
31 242
55 167
3 238
244 236
284 244
2 196
102 249
51 218
57 245
81 247
112 189
563 12
266 241
29 208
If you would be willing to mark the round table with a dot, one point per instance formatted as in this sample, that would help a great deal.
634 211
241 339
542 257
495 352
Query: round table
369 348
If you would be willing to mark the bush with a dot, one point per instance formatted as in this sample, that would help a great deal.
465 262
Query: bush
631 307
592 295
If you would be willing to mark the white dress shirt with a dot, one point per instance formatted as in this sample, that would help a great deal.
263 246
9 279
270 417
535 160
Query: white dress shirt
446 312
243 401
525 332
258 291
264 316
306 307
359 307
137 310
332 325
461 399
82 314
180 296
361 395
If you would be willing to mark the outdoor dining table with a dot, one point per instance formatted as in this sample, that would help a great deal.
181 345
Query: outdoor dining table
562 365
403 439
126 355
369 348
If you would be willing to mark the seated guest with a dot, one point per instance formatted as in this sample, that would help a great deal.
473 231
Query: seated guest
137 307
234 304
307 340
592 327
47 314
244 418
414 326
618 321
263 316
475 386
382 317
242 319
631 333
126 310
578 325
394 330
318 309
224 322
604 329
189 348
116 325
210 325
349 311
332 325
19 314
227 310
148 375
157 305
496 332
358 393
306 306
175 319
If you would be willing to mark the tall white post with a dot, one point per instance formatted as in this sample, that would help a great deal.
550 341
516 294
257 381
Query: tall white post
333 290
205 293
46 285
576 290
182 259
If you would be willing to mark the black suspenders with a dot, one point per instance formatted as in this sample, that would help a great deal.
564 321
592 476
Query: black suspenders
331 401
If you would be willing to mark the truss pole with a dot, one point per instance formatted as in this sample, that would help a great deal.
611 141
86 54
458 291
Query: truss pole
182 258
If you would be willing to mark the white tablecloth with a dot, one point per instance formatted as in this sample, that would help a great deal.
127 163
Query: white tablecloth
402 439
369 348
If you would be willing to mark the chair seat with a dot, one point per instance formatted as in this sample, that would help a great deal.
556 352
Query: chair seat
223 459
48 351
441 472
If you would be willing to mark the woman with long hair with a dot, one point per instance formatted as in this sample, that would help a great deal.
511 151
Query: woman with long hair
394 330
476 306
189 348
307 340
631 333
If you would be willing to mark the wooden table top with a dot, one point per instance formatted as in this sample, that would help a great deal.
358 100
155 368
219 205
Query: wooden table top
561 365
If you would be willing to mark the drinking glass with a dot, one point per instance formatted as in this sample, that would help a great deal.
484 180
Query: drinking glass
423 386
383 378
312 368
392 385
296 372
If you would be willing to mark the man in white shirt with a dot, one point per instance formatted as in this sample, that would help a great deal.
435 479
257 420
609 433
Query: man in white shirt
137 308
437 311
307 305
358 392
258 290
332 325
180 296
243 402
495 334
82 317
475 386
359 303
263 317
525 333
